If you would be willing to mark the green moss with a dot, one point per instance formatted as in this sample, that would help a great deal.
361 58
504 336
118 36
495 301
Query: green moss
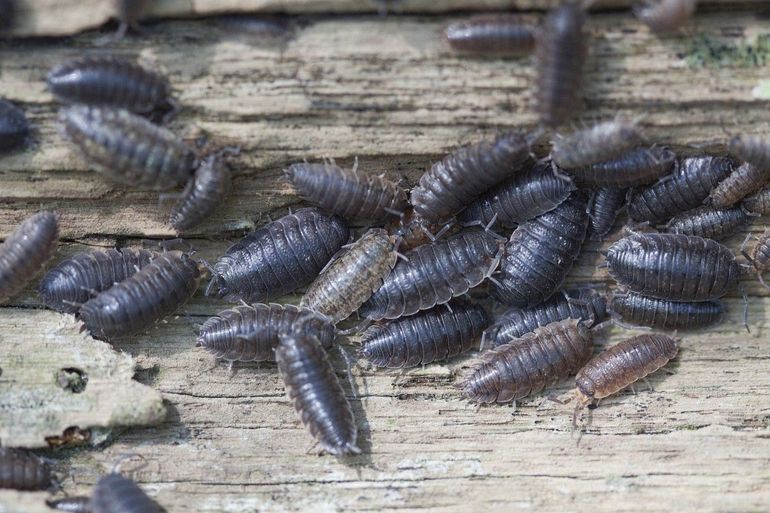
705 51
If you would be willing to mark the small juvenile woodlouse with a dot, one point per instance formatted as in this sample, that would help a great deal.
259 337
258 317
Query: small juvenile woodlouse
606 204
20 470
582 304
672 266
560 54
147 296
249 333
25 252
529 364
353 276
127 148
204 193
114 493
759 255
346 192
279 257
316 392
522 197
129 12
691 182
434 335
71 504
78 278
745 180
595 144
14 127
635 309
637 167
758 203
665 15
709 222
414 231
462 176
433 274
503 35
540 254
752 149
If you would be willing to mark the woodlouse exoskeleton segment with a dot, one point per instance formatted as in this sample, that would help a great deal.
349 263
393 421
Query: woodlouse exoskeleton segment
752 149
20 470
758 203
346 192
540 254
595 144
71 504
606 203
278 258
14 127
127 148
204 193
745 180
672 266
462 176
500 35
433 274
665 15
78 278
114 493
25 252
129 12
434 335
635 309
759 255
709 222
139 301
637 167
529 364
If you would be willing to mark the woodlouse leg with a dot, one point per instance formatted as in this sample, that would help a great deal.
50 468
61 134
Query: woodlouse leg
746 302
743 248
402 256
650 388
448 307
633 388
513 407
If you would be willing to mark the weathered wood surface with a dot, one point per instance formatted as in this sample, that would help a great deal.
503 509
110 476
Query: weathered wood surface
388 91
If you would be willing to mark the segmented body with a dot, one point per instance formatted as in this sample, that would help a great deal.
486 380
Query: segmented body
745 180
25 251
502 35
598 143
709 222
205 192
607 203
759 255
753 149
14 127
114 493
758 203
636 309
414 231
20 470
665 15
637 167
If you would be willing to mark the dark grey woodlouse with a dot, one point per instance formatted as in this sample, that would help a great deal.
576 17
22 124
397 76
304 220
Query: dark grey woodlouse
127 148
461 177
500 35
346 192
759 255
745 180
114 493
249 333
691 182
637 167
641 310
758 203
25 251
316 392
204 193
560 54
433 335
71 504
146 297
522 197
78 278
279 257
665 15
14 127
129 12
433 274
529 364
607 202
595 144
540 254
8 13
709 222
20 470
752 149
582 304
672 266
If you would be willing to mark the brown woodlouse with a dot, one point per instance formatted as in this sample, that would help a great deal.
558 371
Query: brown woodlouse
279 257
139 301
78 278
582 304
127 148
709 222
462 176
346 192
691 182
758 203
249 333
14 127
672 266
433 274
114 493
595 144
522 197
560 54
316 392
635 309
529 364
434 335
71 504
637 167
665 15
353 276
25 252
20 470
503 35
414 231
752 149
745 180
204 193
129 12
606 204
540 254
759 256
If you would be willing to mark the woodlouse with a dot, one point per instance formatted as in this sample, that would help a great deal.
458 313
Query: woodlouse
114 493
595 144
637 167
745 180
433 274
752 149
691 182
758 203
529 364
78 278
129 12
8 13
433 335
759 255
709 222
127 148
462 176
522 197
346 192
204 193
641 310
25 252
20 470
352 278
413 231
279 257
492 35
672 266
316 392
560 54
540 254
149 295
71 504
249 333
606 203
14 127
582 304
665 15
